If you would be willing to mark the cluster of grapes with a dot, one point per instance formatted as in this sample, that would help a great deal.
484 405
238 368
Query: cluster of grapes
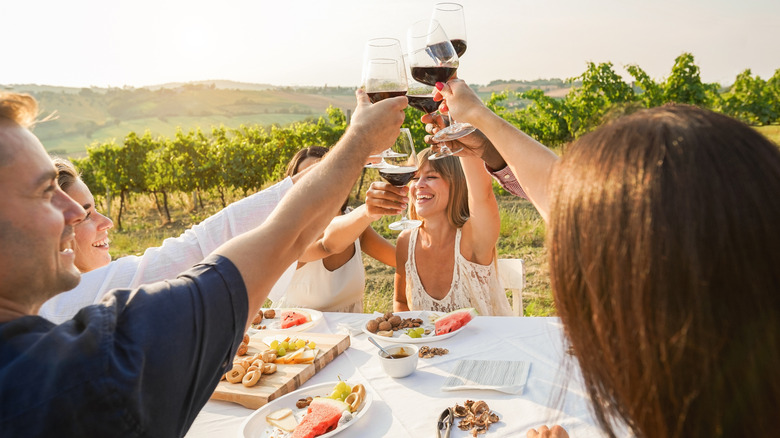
341 391
416 332
289 344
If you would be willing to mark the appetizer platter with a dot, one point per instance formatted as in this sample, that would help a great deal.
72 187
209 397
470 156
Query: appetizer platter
325 409
417 327
262 372
286 319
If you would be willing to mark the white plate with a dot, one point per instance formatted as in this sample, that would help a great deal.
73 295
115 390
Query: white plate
255 425
400 336
276 322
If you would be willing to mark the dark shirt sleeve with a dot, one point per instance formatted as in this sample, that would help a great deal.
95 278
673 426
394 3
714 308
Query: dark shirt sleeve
142 363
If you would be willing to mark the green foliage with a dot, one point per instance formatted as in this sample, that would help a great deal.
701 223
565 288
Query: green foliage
684 85
753 100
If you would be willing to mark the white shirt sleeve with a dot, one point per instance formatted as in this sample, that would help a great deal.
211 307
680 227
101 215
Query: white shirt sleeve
175 256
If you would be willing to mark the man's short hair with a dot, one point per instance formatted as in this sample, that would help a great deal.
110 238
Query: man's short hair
21 109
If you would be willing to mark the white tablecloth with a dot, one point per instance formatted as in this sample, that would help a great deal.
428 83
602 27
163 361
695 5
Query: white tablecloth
410 406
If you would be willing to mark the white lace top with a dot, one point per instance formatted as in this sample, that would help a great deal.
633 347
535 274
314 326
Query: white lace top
473 285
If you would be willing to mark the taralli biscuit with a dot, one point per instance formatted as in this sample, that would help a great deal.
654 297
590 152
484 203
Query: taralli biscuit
269 368
251 378
242 349
246 339
236 374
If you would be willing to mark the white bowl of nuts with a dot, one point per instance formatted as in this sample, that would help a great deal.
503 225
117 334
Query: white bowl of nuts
402 360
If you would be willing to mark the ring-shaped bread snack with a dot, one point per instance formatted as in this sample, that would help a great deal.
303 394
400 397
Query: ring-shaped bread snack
251 378
269 368
236 374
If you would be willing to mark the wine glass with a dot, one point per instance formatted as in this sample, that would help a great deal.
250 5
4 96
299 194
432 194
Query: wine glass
400 167
384 75
433 58
452 19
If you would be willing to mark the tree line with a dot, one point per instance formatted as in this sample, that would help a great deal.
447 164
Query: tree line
246 158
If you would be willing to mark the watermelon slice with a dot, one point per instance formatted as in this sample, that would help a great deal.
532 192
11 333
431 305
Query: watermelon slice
291 319
322 417
454 320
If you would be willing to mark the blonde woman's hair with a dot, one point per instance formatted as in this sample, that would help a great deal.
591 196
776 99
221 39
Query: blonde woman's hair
67 174
450 170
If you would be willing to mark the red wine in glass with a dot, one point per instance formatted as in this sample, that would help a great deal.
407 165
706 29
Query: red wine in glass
424 103
381 95
432 75
460 46
398 176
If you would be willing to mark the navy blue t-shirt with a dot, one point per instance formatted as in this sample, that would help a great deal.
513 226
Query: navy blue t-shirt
142 363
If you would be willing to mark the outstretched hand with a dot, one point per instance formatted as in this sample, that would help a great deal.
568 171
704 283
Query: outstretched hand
473 144
381 121
460 101
385 199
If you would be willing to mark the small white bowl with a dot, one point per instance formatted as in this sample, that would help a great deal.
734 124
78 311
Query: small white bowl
399 366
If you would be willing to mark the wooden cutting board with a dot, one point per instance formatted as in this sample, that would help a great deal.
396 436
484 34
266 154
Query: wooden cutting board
288 377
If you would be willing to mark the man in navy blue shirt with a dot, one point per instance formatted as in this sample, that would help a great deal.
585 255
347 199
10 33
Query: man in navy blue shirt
145 361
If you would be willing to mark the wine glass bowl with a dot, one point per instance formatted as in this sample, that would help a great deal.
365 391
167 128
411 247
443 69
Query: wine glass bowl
400 167
452 19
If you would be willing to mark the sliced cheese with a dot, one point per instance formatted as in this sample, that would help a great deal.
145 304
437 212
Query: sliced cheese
283 419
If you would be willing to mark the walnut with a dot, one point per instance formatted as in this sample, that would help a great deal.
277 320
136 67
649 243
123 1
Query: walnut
384 326
258 319
388 315
372 326
269 314
395 320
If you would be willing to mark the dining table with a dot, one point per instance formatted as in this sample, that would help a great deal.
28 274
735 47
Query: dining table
411 406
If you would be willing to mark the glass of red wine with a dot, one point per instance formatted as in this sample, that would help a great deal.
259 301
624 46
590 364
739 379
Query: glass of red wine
400 167
433 58
384 76
453 21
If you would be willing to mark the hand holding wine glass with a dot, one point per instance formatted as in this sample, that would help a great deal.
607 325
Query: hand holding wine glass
401 166
433 59
384 76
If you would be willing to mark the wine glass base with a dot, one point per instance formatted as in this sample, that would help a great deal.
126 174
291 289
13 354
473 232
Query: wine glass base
443 153
404 224
454 132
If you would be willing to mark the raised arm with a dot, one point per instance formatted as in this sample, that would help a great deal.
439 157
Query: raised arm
530 161
261 255
342 232
484 223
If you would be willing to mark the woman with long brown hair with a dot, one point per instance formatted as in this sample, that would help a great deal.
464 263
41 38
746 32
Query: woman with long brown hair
665 265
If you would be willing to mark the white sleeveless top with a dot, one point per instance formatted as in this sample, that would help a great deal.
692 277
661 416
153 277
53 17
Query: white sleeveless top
473 285
315 287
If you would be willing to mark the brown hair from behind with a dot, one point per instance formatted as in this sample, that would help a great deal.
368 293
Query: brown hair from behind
663 248
451 171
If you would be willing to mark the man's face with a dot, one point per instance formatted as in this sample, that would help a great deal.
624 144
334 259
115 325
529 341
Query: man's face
36 224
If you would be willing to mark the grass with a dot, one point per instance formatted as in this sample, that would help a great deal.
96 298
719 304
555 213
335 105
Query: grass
522 236
772 132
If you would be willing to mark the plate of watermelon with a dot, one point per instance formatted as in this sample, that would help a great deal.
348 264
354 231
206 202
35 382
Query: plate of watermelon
434 326
293 319
323 413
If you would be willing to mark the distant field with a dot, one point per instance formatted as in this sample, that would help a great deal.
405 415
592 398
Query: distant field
772 132
74 145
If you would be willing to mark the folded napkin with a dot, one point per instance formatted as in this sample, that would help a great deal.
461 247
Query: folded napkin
508 376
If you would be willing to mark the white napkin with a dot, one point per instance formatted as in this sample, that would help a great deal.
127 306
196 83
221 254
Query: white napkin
355 328
508 376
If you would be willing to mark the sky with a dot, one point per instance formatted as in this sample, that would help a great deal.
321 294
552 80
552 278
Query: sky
116 43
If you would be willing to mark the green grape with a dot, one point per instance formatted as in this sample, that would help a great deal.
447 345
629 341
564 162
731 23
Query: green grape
281 351
415 332
274 345
285 345
312 345
300 343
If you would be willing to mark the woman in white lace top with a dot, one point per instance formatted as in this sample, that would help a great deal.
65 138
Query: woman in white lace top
449 262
